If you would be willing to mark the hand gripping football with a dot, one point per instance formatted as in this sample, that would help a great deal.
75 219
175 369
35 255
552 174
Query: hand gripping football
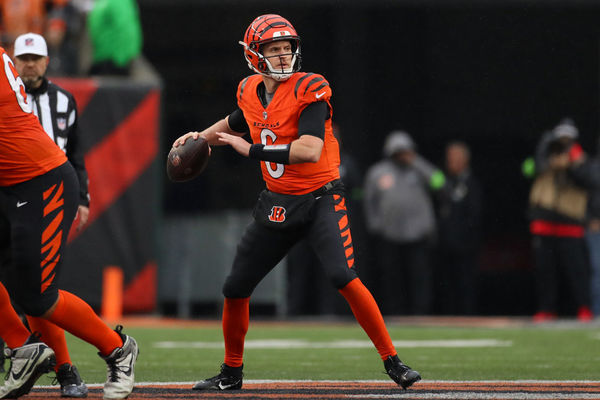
187 161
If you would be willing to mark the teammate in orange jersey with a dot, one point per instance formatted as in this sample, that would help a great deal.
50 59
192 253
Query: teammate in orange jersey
38 199
288 115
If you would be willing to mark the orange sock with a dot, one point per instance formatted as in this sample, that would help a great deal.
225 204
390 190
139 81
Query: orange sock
367 314
53 336
77 317
236 317
12 329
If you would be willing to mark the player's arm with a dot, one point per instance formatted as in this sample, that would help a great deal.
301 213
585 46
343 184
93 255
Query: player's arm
307 148
233 124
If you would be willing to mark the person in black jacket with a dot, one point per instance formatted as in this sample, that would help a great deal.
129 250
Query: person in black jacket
459 213
57 113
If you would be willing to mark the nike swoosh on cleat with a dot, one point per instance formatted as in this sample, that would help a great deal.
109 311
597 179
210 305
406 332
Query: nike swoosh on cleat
27 367
318 96
223 387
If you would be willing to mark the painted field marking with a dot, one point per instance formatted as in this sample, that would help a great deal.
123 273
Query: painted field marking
339 344
477 396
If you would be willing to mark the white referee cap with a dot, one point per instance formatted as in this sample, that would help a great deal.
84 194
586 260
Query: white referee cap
31 43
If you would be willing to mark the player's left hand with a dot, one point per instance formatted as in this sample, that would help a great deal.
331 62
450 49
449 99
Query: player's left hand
237 142
83 212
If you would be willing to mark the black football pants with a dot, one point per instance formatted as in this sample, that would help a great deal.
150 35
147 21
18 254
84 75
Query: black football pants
35 218
261 248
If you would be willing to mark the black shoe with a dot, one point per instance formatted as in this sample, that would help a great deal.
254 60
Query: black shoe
402 374
230 378
71 384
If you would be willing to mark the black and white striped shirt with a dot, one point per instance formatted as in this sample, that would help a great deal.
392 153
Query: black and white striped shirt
57 111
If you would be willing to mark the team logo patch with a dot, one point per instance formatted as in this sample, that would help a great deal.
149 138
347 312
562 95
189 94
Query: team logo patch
277 214
29 42
61 123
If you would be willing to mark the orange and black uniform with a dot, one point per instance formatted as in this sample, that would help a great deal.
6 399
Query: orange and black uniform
261 248
303 97
38 199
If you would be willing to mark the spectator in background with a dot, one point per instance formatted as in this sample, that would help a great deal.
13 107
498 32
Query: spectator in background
459 233
116 35
399 210
593 242
22 16
65 28
557 204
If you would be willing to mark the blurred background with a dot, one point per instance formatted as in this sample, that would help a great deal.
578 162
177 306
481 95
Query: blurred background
495 74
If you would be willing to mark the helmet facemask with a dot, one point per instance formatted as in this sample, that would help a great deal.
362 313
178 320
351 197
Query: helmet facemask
263 66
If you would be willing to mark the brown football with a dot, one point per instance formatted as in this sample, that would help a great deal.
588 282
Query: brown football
187 161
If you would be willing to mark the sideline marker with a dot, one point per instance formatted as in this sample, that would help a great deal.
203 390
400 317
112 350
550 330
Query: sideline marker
112 293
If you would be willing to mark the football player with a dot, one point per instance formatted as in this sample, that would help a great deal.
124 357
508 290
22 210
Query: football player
39 194
289 117
52 105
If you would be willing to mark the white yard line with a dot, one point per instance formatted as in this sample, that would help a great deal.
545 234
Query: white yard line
340 344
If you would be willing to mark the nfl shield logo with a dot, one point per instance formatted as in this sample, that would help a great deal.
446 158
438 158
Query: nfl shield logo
61 123
264 115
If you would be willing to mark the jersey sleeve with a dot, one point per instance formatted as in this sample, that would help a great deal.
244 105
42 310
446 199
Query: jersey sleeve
312 88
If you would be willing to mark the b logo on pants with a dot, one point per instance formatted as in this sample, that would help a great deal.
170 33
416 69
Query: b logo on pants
277 214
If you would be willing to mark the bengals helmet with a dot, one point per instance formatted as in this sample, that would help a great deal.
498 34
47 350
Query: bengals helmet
266 29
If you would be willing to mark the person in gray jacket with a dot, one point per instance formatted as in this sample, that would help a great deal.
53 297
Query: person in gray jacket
400 215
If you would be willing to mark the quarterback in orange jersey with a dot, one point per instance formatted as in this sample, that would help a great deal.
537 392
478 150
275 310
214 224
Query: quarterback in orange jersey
288 115
39 194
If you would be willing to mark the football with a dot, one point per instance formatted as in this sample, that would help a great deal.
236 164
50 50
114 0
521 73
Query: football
187 161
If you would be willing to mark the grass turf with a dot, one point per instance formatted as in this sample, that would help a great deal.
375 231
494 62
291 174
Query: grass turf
551 352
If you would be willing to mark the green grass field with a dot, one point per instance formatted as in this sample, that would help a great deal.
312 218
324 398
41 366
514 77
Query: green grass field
554 352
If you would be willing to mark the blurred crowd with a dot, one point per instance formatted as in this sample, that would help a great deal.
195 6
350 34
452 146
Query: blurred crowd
97 37
424 230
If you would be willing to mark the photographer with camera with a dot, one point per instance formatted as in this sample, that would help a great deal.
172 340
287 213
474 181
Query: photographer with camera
558 200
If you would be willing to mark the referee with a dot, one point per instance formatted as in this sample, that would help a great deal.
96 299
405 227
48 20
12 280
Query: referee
54 107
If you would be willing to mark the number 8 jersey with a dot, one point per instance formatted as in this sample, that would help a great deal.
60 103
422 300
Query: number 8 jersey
277 124
26 151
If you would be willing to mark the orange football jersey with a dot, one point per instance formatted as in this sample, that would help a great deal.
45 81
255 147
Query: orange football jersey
26 151
278 124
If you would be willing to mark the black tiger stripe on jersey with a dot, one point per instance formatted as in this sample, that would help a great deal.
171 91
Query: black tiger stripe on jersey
300 82
312 82
321 86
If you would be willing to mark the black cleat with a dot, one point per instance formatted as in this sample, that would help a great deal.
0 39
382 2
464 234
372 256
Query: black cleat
402 374
71 384
230 378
